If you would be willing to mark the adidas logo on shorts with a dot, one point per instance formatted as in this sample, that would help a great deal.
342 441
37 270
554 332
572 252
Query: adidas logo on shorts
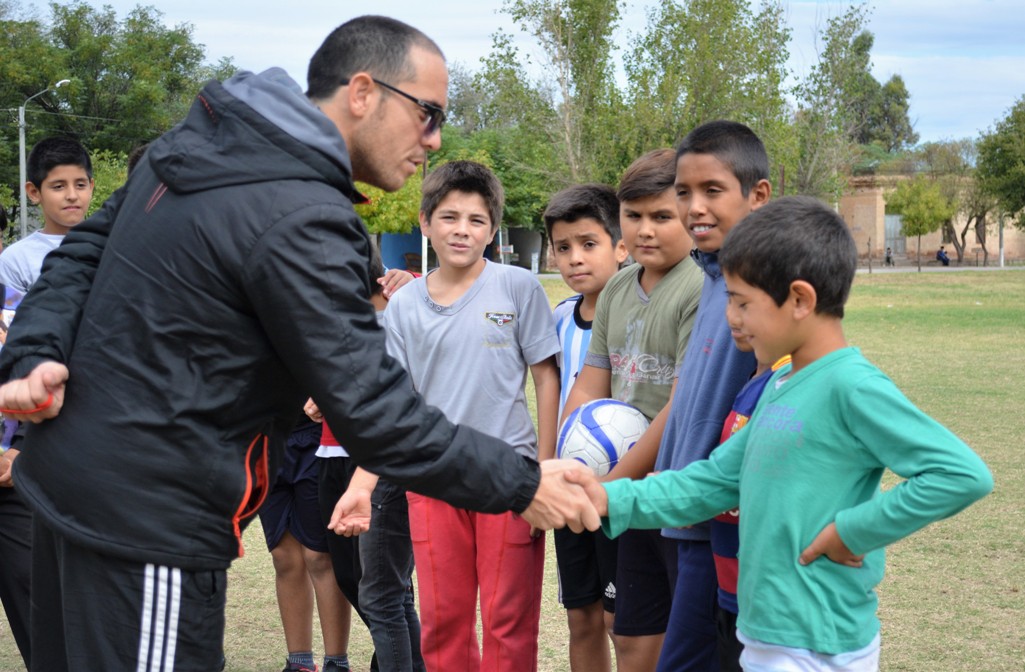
610 591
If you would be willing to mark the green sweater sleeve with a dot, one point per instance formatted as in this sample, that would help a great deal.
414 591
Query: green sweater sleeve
942 474
692 495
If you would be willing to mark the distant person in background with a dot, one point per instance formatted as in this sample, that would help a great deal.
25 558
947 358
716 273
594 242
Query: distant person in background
888 261
941 256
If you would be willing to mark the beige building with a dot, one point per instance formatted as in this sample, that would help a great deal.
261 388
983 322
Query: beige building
864 210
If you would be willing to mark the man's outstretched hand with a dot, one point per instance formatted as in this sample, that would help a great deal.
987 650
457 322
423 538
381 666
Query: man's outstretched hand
559 503
36 397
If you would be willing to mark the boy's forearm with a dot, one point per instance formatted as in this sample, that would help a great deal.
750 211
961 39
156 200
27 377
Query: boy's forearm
363 479
546 390
670 499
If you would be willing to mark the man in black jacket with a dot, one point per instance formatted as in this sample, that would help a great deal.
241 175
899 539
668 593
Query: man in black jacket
172 337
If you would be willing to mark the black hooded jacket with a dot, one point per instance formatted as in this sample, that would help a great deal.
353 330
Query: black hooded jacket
225 283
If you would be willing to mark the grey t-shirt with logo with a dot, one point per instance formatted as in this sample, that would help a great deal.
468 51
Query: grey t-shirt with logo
470 359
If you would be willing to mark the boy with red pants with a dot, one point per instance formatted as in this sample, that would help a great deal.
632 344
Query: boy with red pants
467 333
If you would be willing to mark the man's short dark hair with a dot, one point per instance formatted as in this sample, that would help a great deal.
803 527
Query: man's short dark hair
468 177
794 238
735 145
375 44
595 201
49 153
649 175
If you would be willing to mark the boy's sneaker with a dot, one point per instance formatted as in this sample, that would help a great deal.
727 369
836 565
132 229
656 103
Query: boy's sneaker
289 667
332 666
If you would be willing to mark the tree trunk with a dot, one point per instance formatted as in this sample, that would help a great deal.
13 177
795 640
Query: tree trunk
959 245
918 253
980 236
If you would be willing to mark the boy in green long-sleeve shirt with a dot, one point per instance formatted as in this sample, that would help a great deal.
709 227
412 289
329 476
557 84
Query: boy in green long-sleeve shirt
807 467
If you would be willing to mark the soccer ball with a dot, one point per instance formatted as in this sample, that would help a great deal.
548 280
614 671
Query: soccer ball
599 433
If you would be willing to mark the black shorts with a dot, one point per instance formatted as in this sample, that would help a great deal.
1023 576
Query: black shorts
644 592
292 504
729 646
587 568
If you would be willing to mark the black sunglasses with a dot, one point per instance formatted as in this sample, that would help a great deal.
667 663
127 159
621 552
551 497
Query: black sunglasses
435 115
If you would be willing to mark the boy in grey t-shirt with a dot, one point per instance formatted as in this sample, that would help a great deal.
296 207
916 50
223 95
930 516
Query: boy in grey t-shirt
467 333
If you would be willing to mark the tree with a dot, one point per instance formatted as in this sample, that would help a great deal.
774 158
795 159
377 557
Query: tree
576 39
833 105
1001 164
952 165
922 206
131 78
391 212
888 124
704 60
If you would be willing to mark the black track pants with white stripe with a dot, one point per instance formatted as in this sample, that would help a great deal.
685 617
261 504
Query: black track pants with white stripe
97 612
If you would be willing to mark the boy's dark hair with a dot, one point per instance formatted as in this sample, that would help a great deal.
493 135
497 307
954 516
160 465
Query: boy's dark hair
595 201
793 238
49 153
735 145
376 270
375 44
135 156
651 174
466 176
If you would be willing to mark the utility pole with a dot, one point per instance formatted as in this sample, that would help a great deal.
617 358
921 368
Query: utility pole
23 210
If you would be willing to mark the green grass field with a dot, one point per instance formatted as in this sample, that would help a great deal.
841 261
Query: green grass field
953 596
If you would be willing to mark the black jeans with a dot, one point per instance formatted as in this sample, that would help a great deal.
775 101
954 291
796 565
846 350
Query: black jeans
386 589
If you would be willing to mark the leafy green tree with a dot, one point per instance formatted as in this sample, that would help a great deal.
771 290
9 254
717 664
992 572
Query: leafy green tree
922 206
576 39
951 164
1001 163
391 212
704 60
833 104
131 78
888 124
110 170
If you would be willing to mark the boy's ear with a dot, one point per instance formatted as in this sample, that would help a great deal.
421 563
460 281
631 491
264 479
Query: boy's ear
425 225
760 194
621 252
32 191
804 299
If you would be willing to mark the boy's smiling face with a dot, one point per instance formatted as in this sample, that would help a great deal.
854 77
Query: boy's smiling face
653 233
710 199
585 255
459 229
64 197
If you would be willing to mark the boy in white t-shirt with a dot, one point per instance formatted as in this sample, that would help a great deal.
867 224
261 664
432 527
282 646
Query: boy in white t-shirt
60 181
583 226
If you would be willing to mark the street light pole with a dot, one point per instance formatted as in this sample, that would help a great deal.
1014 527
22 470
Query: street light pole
21 153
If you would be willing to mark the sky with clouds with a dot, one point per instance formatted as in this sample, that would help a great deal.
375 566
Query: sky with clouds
962 61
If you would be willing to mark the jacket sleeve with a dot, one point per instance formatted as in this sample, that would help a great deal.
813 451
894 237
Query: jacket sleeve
47 319
309 282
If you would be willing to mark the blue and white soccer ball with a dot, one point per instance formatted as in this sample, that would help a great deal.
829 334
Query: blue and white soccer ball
599 433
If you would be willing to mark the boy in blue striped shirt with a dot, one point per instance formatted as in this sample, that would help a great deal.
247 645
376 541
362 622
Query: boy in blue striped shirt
583 227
